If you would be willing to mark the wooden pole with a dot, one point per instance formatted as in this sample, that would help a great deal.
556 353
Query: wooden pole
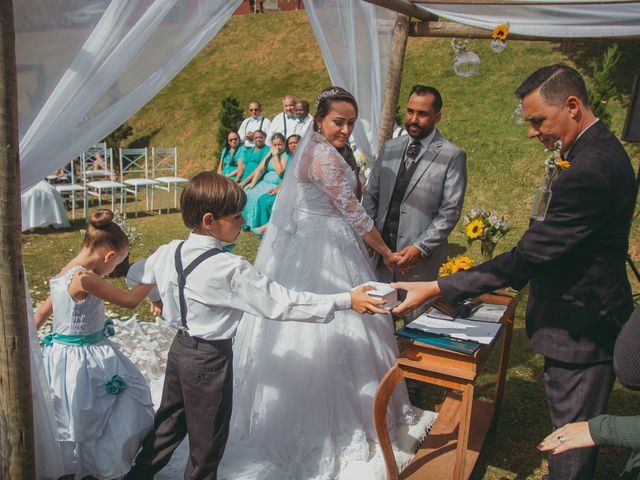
394 77
405 7
17 460
458 30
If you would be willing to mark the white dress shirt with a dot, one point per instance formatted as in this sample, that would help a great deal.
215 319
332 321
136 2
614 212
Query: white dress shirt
251 124
303 125
283 124
224 287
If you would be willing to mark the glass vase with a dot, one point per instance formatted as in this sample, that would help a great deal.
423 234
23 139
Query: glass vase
486 249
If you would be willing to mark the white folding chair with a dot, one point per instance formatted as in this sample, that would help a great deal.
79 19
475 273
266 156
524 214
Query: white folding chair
134 163
98 174
164 167
70 188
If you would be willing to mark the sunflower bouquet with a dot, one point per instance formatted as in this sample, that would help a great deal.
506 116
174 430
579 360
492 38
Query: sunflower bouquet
455 264
486 227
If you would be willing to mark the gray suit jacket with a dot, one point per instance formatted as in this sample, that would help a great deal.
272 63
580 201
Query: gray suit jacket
432 203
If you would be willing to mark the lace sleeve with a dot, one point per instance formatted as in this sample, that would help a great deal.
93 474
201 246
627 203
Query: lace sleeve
327 170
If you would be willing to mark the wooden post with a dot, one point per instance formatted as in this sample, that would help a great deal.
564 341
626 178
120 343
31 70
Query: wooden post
17 460
394 78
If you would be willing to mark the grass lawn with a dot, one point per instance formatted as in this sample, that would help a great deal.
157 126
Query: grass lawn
253 58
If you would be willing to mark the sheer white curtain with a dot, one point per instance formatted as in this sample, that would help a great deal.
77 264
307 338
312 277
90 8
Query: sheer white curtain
563 21
84 67
355 39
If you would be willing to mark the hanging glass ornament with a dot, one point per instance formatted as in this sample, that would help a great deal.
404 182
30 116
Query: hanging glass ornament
498 46
466 63
517 116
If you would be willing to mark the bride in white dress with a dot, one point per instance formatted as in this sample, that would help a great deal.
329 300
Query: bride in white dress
303 394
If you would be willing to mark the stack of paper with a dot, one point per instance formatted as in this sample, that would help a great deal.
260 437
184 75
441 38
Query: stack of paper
488 313
437 323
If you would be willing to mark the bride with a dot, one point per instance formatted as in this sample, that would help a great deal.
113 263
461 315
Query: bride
303 393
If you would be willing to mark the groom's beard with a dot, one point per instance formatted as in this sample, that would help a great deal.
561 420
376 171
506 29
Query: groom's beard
422 132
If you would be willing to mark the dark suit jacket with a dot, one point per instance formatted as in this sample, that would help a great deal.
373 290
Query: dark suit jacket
575 259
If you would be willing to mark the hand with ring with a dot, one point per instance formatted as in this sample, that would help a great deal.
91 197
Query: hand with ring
572 435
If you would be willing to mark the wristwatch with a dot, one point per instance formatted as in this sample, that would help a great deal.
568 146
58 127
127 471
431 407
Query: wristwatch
425 252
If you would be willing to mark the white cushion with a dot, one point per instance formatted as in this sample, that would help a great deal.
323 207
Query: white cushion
140 181
105 184
171 179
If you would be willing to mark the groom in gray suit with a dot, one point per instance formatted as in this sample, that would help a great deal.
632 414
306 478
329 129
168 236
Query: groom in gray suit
416 190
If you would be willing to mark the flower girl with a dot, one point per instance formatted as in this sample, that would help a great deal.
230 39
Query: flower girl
102 404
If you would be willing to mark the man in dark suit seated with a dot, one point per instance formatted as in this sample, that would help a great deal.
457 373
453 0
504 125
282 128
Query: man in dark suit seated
574 259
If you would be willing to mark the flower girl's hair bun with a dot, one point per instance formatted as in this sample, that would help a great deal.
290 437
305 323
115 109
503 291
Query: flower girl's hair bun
102 231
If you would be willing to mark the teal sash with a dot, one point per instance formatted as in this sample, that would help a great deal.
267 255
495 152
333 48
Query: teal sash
81 340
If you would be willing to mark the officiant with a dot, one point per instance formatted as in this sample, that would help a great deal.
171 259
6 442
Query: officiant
416 190
574 259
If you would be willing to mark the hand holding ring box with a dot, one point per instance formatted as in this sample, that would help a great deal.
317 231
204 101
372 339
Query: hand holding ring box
383 291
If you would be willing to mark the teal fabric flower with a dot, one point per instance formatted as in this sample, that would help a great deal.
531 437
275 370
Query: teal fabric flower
115 386
109 329
47 340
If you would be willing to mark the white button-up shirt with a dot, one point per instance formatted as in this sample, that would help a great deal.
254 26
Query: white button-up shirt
283 124
301 127
251 124
222 288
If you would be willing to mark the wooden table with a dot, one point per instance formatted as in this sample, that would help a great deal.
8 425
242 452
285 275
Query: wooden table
454 443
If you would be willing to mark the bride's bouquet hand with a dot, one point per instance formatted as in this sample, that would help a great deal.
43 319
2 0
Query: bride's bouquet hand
361 302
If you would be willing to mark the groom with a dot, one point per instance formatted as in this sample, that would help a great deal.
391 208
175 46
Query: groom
416 190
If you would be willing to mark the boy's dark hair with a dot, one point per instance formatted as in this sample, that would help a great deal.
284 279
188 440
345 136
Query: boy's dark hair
209 192
556 83
424 90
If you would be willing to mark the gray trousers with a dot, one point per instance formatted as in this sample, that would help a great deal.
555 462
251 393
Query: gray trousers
196 399
576 392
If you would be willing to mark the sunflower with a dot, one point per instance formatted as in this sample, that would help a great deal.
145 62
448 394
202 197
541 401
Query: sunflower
475 229
501 32
563 164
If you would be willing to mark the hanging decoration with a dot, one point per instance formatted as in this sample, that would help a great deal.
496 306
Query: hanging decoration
499 35
466 63
517 116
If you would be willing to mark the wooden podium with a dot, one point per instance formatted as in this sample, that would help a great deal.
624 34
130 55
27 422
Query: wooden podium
454 443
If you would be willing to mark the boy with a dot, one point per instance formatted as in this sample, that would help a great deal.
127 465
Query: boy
206 303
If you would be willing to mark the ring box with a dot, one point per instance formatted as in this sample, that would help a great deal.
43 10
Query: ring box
384 291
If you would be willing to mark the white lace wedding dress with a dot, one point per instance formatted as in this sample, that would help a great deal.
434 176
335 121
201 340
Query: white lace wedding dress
303 393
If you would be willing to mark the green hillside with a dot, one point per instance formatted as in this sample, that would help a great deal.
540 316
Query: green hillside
265 56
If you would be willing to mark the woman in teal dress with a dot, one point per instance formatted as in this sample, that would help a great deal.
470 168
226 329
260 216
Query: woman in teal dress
265 178
252 157
228 164
267 200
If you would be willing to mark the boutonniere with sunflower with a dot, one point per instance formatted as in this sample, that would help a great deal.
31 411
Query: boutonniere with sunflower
455 264
486 227
554 166
499 36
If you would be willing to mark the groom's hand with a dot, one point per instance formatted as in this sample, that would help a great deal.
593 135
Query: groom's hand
361 302
418 293
409 257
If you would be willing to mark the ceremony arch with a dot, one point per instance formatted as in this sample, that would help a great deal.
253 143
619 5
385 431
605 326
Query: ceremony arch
77 85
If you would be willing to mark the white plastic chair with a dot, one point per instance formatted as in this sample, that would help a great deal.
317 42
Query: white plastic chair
164 167
134 163
98 175
70 188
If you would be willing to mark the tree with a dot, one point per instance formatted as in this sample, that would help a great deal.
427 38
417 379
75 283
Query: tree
230 118
603 88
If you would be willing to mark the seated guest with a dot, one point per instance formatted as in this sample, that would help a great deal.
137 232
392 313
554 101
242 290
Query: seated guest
303 118
284 122
264 178
612 430
266 200
228 164
255 121
251 157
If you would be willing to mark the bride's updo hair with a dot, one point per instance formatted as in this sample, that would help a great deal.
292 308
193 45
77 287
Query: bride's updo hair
323 105
102 231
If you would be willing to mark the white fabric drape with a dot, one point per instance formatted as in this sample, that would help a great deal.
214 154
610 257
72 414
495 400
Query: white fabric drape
562 21
355 39
84 69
